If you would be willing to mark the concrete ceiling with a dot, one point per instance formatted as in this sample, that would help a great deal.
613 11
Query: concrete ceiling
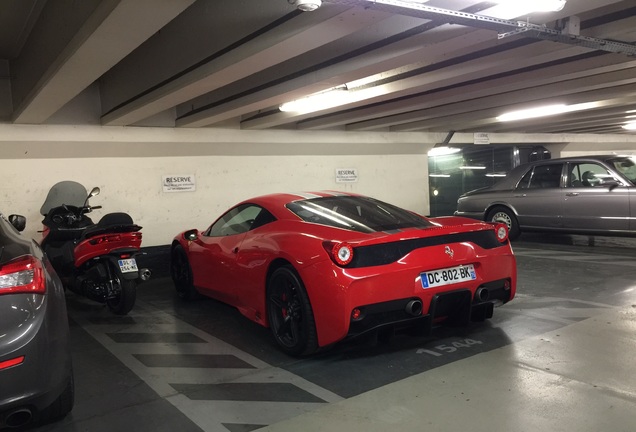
207 63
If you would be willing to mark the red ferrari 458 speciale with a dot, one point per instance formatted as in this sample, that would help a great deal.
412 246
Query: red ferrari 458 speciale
321 267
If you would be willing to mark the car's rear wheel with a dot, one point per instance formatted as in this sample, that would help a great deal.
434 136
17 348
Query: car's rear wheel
289 312
181 274
506 216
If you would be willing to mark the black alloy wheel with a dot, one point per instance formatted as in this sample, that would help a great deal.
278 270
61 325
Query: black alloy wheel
289 312
181 274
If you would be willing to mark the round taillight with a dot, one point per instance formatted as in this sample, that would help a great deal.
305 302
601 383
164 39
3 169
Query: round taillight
502 232
342 253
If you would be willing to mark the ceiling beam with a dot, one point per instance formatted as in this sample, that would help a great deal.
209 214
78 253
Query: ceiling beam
112 31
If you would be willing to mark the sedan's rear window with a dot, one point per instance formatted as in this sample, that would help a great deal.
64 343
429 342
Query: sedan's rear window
361 214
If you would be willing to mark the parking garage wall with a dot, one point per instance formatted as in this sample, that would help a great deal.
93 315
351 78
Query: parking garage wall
228 165
129 166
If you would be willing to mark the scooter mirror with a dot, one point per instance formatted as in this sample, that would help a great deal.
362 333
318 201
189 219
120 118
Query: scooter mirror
94 191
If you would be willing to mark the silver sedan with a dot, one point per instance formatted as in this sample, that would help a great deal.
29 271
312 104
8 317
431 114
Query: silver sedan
594 195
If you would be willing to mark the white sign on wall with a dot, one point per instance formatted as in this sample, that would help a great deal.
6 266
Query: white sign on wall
346 175
179 183
481 138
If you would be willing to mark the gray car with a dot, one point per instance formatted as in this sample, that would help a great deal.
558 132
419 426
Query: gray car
36 375
594 195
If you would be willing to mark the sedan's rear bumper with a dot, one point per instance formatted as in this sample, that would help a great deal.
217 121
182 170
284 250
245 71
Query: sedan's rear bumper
46 370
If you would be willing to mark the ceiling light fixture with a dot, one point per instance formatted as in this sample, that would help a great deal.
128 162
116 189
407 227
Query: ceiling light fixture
544 111
317 101
630 126
308 5
538 5
508 9
443 150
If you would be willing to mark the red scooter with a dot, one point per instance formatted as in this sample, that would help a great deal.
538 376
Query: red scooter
96 260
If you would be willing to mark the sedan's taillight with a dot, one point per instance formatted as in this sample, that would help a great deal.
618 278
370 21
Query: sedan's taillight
22 275
501 230
341 253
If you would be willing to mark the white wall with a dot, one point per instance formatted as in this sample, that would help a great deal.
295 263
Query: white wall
229 165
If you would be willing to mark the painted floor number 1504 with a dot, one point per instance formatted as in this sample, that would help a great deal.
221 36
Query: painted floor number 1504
450 347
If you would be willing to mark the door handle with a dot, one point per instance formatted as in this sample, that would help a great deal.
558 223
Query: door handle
572 194
235 250
520 195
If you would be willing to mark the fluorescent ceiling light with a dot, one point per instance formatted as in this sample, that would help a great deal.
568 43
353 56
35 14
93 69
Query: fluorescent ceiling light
495 175
337 96
630 111
317 101
441 151
544 111
507 9
472 167
439 175
630 126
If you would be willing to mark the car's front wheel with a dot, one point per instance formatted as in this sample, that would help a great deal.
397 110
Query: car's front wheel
289 312
506 216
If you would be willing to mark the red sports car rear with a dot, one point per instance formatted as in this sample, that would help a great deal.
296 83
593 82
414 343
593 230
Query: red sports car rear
318 268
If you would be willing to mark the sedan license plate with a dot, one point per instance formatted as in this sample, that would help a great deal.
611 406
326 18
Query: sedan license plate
448 276
128 265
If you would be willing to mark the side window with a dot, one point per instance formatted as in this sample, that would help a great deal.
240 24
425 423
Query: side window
546 176
524 183
240 220
588 175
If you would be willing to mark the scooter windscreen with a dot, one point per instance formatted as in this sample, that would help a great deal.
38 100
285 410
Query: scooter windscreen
65 192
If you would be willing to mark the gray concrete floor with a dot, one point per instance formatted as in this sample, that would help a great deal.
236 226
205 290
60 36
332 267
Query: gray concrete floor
557 358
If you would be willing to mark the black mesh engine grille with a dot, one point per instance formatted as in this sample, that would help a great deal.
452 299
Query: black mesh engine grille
386 253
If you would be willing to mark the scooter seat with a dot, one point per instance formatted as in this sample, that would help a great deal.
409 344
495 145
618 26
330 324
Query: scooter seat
112 222
115 219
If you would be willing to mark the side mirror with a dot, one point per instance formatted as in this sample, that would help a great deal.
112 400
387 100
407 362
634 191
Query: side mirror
94 191
18 221
191 235
610 184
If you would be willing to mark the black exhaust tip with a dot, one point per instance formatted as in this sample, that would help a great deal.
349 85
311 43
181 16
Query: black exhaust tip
18 418
414 308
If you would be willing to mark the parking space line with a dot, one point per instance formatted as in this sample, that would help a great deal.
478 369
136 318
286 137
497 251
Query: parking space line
227 386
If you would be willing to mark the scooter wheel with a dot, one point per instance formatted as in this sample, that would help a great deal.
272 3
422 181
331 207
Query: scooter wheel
124 302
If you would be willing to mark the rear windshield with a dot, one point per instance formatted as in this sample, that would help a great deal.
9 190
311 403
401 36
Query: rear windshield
361 214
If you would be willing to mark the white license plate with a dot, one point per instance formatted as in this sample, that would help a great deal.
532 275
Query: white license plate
448 276
128 265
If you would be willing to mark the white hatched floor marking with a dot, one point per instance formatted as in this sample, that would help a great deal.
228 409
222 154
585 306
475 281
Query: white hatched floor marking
555 309
573 256
208 415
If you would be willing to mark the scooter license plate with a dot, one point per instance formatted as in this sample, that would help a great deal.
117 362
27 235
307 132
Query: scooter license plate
128 265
